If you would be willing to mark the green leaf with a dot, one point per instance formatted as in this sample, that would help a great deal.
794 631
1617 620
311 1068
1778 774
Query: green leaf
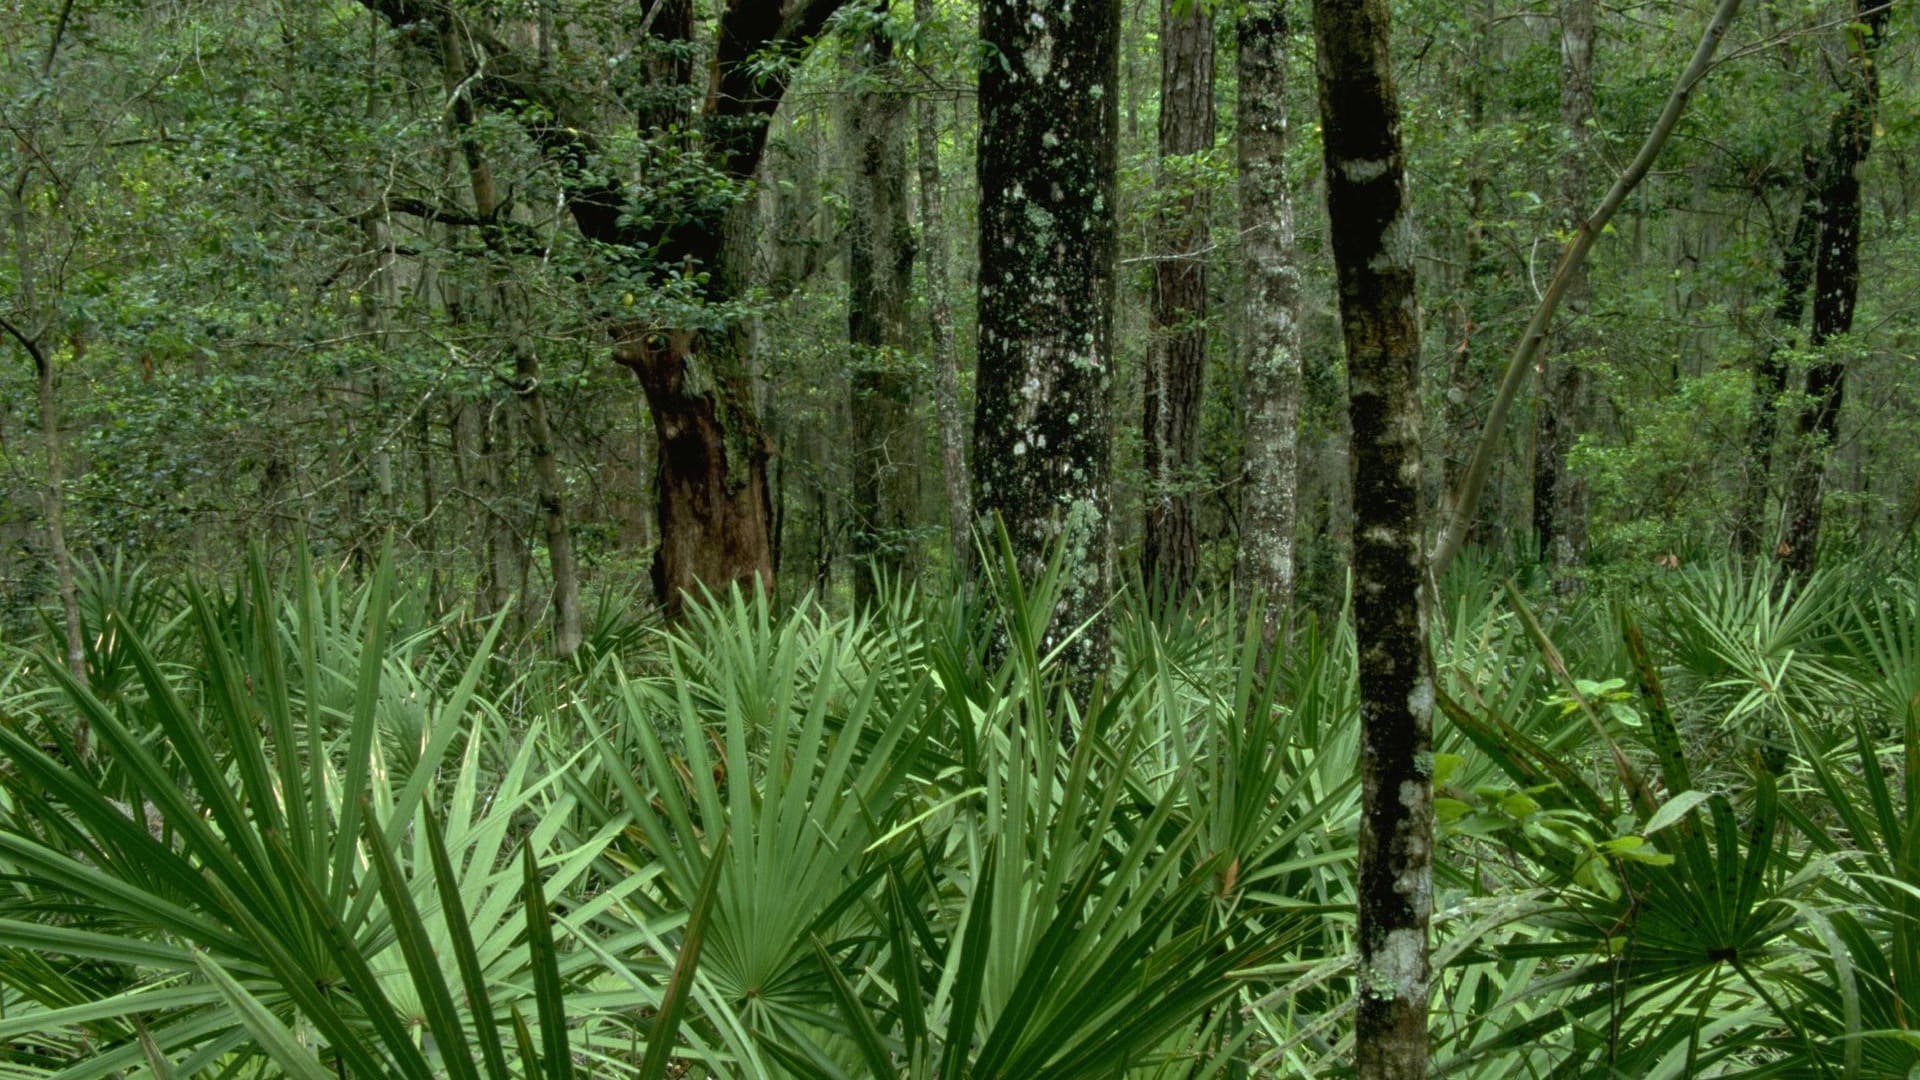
1673 810
274 1038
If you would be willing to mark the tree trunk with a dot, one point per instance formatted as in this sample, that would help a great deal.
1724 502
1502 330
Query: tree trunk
715 514
1042 435
34 344
879 281
1559 499
1770 368
946 364
1836 281
526 362
1270 469
1177 362
1367 213
1476 277
503 537
56 499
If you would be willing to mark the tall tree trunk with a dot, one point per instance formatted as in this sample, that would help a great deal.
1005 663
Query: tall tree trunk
1836 280
56 512
1042 436
1367 213
1476 274
946 363
526 361
879 281
33 342
1270 469
1770 367
1177 362
1559 499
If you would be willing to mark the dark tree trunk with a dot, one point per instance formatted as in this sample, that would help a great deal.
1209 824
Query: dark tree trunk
1836 280
1368 216
1041 435
1177 363
715 513
879 281
946 362
1559 499
1770 368
1270 470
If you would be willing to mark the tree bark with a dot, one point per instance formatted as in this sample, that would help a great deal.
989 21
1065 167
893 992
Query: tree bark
1177 362
1042 434
1368 216
56 490
1836 280
946 363
1770 368
1559 499
1271 311
879 281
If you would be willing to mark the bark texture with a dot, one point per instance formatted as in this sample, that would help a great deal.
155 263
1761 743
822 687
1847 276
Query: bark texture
946 362
879 281
1367 211
1559 498
1041 436
1836 280
1271 320
1177 363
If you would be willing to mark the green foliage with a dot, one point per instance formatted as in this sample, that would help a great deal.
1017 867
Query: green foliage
317 833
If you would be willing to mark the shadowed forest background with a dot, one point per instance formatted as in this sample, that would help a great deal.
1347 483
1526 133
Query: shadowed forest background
964 538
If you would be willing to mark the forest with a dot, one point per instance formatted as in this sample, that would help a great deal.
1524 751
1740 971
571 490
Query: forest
959 540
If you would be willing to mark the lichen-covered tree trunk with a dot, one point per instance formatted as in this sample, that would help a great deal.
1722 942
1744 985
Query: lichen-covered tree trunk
1770 367
1271 310
1836 280
946 362
1368 217
1041 435
1559 499
1177 362
879 280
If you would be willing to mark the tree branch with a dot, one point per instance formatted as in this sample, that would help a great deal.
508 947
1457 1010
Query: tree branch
1467 499
27 343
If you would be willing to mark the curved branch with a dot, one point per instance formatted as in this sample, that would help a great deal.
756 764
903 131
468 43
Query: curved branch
1467 499
27 343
